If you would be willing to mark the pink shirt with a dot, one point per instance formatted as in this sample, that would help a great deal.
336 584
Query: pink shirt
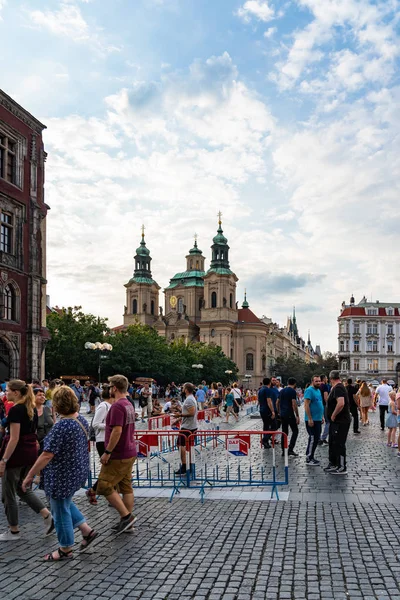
122 414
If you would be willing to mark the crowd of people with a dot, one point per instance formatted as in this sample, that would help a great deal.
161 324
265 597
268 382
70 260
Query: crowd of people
45 436
329 409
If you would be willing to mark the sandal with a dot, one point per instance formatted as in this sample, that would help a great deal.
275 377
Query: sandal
88 539
61 556
91 496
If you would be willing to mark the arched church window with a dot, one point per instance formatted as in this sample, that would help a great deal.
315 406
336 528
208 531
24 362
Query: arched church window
180 305
222 256
152 307
9 302
191 265
197 265
212 333
249 361
230 300
138 265
134 306
214 300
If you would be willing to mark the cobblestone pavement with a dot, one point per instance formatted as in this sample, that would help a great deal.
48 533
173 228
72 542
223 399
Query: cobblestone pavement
336 538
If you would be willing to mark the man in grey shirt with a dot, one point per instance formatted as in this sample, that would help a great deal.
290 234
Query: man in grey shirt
188 423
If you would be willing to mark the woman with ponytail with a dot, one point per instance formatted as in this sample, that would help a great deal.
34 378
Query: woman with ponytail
18 453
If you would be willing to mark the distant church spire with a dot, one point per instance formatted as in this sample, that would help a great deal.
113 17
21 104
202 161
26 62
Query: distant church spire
220 249
142 259
245 303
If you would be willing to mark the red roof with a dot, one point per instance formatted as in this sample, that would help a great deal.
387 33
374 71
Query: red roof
245 315
119 328
353 311
359 311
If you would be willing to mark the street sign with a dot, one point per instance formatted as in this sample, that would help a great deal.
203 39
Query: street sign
238 445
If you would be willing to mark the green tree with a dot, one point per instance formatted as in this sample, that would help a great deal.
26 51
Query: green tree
69 329
293 366
138 351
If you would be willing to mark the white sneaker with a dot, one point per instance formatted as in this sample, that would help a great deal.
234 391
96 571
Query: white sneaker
7 536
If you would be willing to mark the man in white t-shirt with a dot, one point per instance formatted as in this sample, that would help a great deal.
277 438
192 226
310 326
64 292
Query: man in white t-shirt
382 392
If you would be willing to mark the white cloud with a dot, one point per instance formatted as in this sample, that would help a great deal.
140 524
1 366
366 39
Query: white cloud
259 9
371 28
2 5
170 153
270 32
68 21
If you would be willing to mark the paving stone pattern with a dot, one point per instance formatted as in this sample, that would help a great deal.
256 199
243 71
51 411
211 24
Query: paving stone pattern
336 538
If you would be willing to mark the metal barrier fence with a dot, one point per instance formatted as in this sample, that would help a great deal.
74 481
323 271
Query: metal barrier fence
239 463
160 422
214 459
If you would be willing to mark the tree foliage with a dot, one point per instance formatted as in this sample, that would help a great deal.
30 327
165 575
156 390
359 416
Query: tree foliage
293 366
69 329
138 351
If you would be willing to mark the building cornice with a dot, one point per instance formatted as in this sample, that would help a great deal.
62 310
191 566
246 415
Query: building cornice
21 114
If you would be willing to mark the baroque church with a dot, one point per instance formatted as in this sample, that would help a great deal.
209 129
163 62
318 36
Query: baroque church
201 305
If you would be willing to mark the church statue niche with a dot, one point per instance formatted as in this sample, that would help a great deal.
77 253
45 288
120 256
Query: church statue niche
224 302
144 307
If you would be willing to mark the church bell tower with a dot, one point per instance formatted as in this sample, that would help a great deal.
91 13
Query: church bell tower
142 292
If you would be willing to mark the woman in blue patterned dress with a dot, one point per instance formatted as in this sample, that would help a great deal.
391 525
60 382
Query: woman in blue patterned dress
65 465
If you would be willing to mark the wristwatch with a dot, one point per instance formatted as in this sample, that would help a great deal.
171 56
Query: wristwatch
4 460
107 452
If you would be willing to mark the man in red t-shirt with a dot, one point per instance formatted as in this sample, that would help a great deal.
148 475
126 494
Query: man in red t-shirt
119 455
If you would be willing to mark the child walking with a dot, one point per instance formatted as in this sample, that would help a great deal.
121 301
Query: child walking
230 400
391 420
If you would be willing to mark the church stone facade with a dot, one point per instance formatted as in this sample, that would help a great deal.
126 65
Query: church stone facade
201 305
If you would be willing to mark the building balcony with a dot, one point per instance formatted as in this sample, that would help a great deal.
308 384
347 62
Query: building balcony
373 351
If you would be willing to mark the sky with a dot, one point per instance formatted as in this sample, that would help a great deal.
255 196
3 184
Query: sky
282 115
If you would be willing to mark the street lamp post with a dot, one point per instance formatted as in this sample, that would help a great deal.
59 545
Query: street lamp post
198 367
228 372
99 348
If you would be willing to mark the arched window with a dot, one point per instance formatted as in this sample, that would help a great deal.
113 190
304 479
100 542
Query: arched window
197 265
231 353
249 362
214 300
191 265
230 300
180 305
152 307
134 306
9 303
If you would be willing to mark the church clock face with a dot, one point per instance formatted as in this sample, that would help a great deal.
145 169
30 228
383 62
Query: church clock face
173 302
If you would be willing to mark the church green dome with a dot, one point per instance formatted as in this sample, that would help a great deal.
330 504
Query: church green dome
195 249
220 238
142 250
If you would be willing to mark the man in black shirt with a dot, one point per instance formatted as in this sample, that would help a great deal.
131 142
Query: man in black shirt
267 411
289 413
351 392
338 413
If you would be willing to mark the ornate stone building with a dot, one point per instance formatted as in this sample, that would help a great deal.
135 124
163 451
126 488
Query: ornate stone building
201 306
23 212
368 339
